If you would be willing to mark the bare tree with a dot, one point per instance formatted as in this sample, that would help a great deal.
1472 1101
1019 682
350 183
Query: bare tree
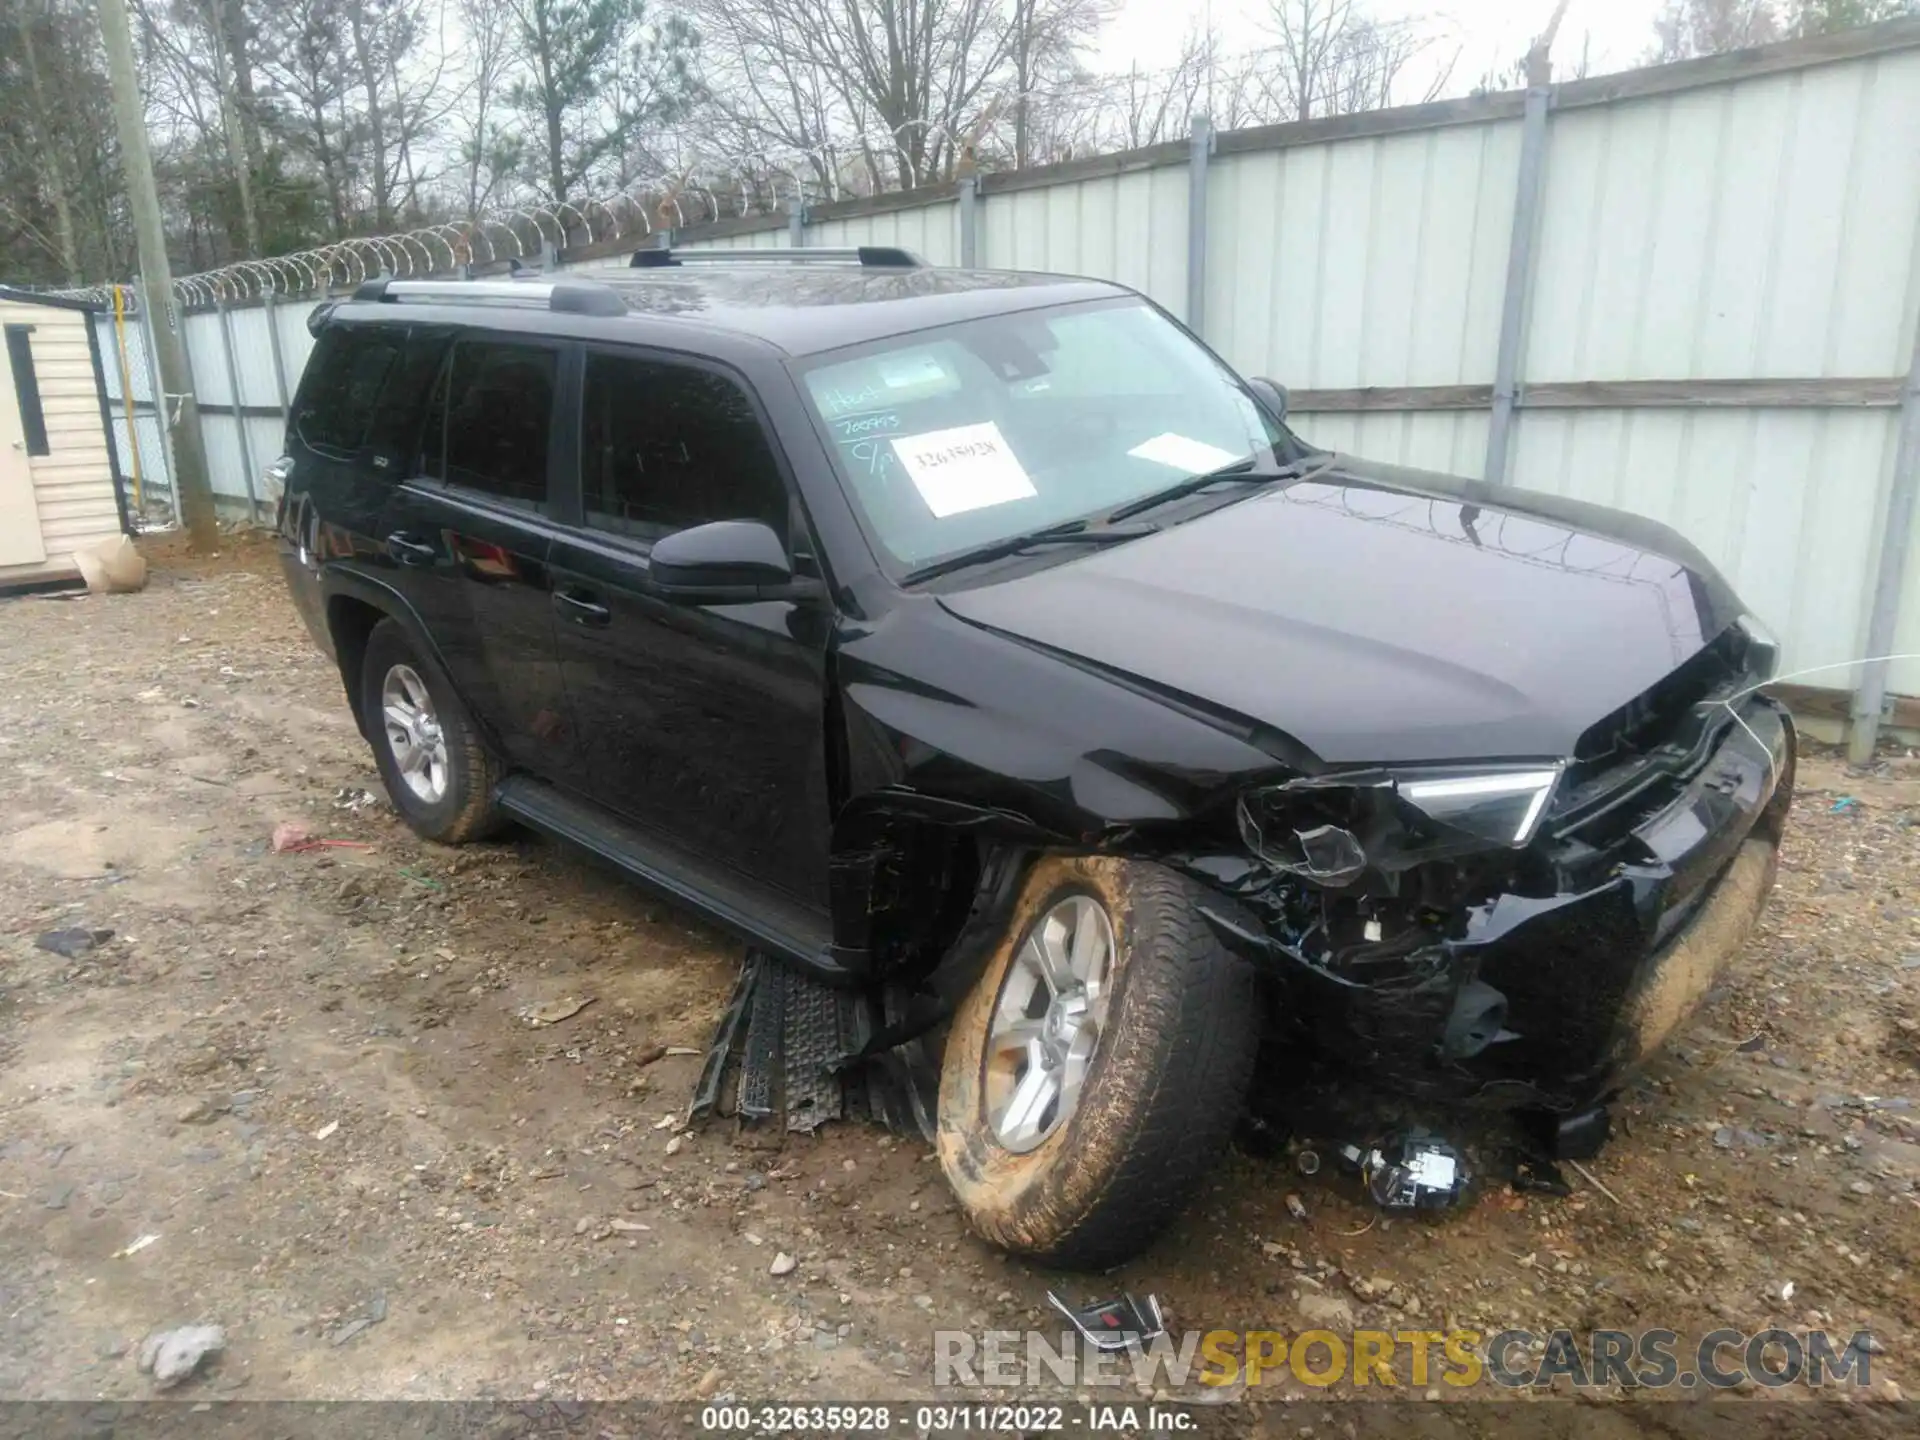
1045 37
897 84
1687 28
1333 58
489 152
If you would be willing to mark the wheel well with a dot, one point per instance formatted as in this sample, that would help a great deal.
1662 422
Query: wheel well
350 622
919 892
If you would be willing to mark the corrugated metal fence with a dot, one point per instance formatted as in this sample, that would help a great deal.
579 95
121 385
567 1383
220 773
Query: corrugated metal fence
1717 327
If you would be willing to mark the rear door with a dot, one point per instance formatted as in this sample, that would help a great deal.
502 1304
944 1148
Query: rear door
468 532
703 723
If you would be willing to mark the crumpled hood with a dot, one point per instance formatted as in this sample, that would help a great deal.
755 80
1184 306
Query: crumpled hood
1376 614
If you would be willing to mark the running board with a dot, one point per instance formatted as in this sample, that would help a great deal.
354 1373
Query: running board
780 1055
764 918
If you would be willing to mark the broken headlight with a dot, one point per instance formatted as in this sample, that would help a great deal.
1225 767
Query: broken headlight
1331 828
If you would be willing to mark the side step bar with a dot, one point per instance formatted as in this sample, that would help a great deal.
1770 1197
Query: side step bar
764 918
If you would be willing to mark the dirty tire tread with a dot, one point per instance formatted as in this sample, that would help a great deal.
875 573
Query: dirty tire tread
1182 1037
475 773
1200 1087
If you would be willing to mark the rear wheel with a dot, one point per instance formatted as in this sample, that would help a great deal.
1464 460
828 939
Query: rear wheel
1094 1075
437 768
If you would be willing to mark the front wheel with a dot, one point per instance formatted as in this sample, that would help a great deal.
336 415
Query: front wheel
1094 1075
437 768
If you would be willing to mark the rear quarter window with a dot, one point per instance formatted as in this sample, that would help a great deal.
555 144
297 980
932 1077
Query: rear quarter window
367 389
343 384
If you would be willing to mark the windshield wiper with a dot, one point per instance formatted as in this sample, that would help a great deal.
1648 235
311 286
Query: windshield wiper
1070 532
1241 472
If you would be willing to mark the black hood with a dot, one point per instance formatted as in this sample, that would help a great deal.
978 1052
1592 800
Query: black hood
1375 614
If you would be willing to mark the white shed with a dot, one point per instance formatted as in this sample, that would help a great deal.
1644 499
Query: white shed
58 490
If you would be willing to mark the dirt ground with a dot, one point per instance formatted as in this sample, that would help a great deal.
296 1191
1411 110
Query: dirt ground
298 1094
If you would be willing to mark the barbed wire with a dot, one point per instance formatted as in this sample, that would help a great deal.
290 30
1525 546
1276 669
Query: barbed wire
748 182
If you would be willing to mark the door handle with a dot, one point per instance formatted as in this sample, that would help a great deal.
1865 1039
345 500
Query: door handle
409 549
580 608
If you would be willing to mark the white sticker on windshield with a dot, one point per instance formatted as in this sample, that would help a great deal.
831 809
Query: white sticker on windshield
1183 454
909 372
966 468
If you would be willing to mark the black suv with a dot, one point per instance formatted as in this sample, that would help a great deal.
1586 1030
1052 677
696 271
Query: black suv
983 636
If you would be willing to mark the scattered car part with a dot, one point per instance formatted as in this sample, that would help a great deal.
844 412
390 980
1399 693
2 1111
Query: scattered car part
1112 1325
72 944
1410 1171
1578 1136
778 1052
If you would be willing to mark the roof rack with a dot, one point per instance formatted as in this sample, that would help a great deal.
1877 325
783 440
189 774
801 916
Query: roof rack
890 257
569 296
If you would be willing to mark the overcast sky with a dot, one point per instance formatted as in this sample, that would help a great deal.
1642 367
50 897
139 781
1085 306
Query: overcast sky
1486 33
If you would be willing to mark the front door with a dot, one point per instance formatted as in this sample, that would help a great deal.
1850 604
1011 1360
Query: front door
703 723
469 529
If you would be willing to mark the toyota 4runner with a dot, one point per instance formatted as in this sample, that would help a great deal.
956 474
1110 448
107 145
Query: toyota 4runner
983 636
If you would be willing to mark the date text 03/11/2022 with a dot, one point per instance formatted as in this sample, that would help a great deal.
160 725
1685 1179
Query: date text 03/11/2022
1011 1419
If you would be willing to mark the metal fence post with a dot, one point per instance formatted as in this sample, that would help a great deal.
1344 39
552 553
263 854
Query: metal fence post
1199 149
1883 621
796 223
239 410
279 360
159 394
969 221
1513 305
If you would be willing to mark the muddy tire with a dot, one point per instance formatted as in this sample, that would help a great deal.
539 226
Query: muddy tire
437 769
1157 1100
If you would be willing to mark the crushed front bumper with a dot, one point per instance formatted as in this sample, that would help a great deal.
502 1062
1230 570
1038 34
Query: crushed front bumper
1586 982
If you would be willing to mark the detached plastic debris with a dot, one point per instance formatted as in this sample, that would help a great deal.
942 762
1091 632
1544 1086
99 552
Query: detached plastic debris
1112 1325
1410 1172
72 944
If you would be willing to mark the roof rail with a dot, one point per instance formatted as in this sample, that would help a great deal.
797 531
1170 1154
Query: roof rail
569 296
876 256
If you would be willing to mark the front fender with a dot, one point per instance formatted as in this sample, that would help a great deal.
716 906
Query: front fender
937 708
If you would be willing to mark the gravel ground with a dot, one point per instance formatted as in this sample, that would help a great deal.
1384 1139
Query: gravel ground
300 1095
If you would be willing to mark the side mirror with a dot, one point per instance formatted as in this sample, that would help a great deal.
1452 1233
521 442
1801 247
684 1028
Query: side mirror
724 560
1273 396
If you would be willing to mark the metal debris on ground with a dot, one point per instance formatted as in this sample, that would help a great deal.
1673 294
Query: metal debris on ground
780 1053
1115 1324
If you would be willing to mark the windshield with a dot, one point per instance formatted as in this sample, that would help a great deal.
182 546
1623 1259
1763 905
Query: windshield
956 438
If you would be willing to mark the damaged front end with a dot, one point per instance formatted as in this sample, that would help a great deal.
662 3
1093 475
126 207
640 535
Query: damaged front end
1515 936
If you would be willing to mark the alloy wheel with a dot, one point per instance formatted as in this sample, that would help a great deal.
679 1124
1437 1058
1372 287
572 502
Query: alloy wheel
413 733
1047 1021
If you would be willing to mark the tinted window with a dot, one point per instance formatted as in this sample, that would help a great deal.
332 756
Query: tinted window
664 447
344 380
499 399
397 414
